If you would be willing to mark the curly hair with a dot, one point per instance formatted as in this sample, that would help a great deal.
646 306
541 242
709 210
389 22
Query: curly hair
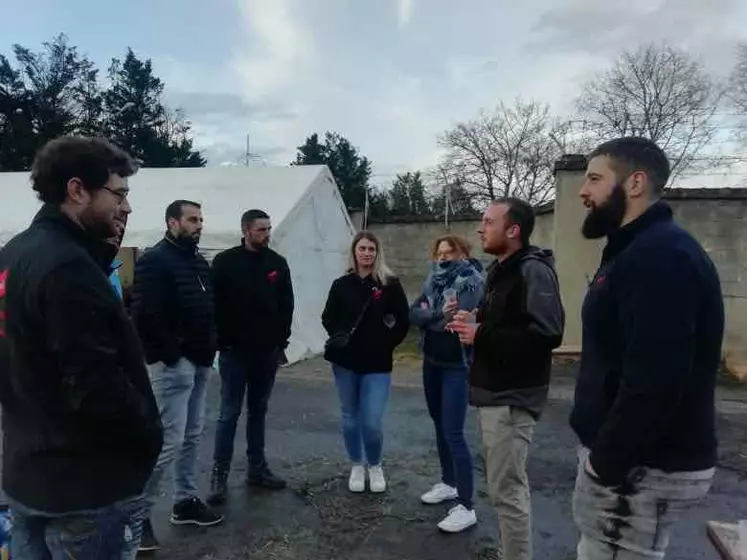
455 242
92 160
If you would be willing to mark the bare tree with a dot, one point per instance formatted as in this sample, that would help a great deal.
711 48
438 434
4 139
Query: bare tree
507 152
737 91
658 92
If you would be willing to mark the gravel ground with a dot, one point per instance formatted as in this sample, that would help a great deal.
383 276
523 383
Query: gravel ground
316 518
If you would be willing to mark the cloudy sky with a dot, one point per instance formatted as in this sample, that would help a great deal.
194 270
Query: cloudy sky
388 74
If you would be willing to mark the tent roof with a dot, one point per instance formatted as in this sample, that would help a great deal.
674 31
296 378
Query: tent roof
225 192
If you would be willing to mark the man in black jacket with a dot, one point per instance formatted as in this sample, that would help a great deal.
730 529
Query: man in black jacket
518 324
172 307
254 311
653 322
81 426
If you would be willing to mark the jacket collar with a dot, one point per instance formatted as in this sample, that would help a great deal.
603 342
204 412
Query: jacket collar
617 241
190 250
99 250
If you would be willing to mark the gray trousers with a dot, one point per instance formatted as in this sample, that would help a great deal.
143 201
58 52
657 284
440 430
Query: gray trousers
637 525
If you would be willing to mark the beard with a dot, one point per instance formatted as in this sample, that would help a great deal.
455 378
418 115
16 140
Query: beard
604 219
188 239
97 225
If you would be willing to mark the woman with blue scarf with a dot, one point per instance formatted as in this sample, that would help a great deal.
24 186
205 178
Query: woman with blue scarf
455 283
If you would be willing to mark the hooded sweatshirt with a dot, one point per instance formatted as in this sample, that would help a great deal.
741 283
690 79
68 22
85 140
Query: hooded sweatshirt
442 348
521 320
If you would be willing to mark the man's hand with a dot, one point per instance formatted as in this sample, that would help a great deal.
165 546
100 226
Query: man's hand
465 316
450 306
466 331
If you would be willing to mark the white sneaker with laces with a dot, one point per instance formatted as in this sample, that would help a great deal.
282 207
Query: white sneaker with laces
459 519
357 481
439 493
376 479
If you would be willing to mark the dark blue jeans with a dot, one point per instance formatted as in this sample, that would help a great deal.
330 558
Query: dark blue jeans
447 395
363 399
253 375
109 533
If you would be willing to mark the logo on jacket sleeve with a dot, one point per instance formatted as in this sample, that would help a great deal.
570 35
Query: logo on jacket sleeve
272 276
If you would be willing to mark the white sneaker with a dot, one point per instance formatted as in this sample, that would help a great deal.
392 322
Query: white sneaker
459 519
376 479
357 481
439 493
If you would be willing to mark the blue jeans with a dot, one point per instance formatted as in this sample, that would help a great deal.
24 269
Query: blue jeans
180 392
363 398
254 376
447 395
108 533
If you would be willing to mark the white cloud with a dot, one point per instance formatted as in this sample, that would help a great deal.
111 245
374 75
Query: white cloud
404 12
299 69
278 47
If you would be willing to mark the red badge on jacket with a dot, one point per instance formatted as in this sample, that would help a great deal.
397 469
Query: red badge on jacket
272 276
3 279
376 294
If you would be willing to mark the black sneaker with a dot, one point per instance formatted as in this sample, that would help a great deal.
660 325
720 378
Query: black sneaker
193 512
264 478
218 486
148 541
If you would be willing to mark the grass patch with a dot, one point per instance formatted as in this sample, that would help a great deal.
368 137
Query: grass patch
409 351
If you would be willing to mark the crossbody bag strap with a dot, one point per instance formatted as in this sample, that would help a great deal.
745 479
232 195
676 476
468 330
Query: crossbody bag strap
360 316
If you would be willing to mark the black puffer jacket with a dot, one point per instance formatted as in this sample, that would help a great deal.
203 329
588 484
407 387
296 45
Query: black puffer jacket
172 305
81 426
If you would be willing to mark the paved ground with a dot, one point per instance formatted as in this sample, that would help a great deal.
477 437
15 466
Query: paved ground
318 519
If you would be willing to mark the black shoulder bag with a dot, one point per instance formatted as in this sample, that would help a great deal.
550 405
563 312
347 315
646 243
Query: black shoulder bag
340 340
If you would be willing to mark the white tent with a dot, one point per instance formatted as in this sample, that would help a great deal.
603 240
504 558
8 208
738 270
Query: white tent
311 227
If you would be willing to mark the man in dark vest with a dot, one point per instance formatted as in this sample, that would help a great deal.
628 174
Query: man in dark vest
518 324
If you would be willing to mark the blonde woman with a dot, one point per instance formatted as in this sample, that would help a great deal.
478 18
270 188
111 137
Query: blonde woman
366 317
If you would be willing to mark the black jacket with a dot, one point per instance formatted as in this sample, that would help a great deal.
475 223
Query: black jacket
521 321
172 304
253 299
371 347
653 322
81 425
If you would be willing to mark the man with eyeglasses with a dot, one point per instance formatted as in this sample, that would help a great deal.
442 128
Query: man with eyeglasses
82 428
172 307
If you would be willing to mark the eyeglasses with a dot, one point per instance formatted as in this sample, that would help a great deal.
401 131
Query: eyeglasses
121 195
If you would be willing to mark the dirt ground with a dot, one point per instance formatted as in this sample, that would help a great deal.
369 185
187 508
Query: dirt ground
316 518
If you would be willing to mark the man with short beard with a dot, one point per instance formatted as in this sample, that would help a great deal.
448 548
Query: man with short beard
172 307
81 426
517 325
254 310
653 321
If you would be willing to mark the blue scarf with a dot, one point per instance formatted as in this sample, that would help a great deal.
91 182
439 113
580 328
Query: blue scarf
459 275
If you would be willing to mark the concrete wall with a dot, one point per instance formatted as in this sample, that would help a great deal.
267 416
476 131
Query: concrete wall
716 217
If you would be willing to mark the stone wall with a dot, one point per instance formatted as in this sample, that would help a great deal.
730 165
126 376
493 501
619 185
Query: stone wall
716 217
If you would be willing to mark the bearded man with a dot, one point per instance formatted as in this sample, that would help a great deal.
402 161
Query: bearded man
653 322
81 427
172 307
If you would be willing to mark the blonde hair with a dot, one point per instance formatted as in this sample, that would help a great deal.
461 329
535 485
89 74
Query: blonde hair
455 242
381 272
